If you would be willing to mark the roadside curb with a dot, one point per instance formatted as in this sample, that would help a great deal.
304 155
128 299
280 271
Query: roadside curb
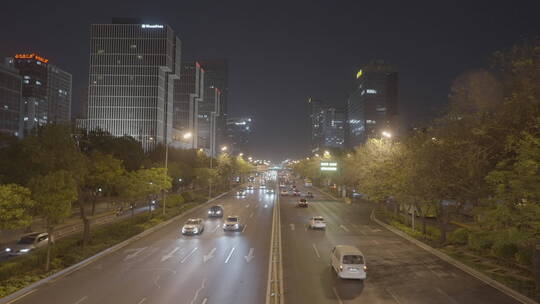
473 272
22 292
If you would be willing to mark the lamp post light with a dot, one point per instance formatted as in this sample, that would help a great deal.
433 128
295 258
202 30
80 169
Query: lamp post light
386 134
187 135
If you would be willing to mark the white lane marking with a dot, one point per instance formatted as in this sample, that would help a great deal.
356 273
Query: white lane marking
316 251
376 242
244 227
292 227
170 254
217 227
197 292
393 295
251 214
189 254
209 256
344 228
250 255
204 301
337 295
81 300
156 281
142 301
20 297
247 206
134 254
229 256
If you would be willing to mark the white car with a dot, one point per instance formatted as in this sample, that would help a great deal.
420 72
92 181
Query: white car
348 262
240 193
232 223
269 191
284 192
317 222
29 242
193 226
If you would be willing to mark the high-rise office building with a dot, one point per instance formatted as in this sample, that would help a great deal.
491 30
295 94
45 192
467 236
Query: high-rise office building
188 93
334 128
10 101
59 95
317 109
133 67
373 106
238 132
208 112
217 75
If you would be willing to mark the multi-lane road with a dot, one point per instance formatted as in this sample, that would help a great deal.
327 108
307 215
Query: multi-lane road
232 267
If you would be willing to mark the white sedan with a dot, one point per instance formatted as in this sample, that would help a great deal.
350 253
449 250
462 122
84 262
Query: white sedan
193 226
317 222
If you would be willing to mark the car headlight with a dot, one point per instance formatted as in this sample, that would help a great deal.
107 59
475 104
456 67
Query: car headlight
236 225
195 230
218 212
24 250
8 249
209 212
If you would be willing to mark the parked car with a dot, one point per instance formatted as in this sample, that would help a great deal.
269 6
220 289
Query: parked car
29 242
193 226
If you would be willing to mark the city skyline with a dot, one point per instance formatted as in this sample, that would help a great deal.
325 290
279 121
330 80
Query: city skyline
430 58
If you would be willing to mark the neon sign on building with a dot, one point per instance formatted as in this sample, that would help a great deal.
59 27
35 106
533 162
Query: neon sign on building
31 56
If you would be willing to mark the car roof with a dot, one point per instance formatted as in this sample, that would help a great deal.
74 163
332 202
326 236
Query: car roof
235 216
195 219
217 206
33 234
347 249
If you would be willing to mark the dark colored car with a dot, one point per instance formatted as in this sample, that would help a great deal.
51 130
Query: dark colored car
302 203
215 211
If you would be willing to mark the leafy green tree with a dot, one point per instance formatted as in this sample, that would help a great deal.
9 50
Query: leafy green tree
53 193
15 207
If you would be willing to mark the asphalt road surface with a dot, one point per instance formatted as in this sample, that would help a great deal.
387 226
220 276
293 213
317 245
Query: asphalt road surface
398 271
167 267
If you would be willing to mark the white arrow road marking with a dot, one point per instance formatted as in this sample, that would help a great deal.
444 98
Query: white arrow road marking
292 226
229 256
204 301
344 228
169 255
198 291
247 206
134 254
142 301
209 256
244 227
189 254
251 214
81 300
250 255
316 251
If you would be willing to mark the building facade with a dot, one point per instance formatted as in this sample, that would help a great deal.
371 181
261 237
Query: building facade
334 128
217 75
238 133
10 101
59 90
373 106
133 67
317 113
208 112
188 93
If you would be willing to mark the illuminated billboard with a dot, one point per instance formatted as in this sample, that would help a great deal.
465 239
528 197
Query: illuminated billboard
328 166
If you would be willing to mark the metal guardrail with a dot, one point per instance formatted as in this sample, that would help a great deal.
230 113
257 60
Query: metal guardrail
274 294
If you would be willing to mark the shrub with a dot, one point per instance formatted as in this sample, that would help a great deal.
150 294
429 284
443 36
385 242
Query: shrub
524 255
480 241
504 250
188 196
459 236
174 200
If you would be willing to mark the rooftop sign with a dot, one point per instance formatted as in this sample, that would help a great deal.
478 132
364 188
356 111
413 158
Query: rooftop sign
31 56
151 26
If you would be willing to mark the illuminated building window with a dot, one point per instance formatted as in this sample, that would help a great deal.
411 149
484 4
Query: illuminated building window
371 91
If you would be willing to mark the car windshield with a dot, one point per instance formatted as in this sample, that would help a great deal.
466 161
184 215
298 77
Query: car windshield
192 222
27 240
353 259
319 219
216 208
303 200
232 219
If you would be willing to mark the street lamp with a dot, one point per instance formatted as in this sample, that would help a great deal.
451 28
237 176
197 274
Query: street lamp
187 135
386 134
241 154
224 148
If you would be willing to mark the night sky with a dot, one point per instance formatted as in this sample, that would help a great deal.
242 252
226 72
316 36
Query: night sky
281 53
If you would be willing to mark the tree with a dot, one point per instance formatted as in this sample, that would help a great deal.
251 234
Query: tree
54 194
15 207
143 183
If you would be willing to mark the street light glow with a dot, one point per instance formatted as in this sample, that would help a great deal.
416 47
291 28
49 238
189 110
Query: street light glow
187 135
387 134
224 148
